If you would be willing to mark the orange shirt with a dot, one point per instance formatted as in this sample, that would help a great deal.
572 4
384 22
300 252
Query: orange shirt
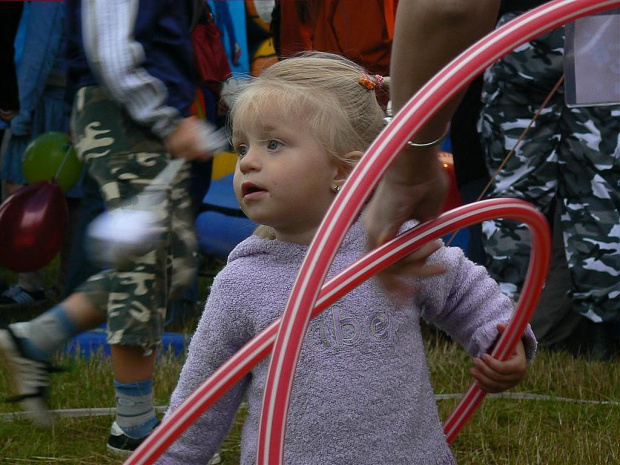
361 31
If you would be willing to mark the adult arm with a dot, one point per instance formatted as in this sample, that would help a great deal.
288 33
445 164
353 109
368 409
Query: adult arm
428 34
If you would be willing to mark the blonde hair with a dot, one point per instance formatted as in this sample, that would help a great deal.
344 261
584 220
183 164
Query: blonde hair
343 115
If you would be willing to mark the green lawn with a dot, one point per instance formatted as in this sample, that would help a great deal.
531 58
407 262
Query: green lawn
575 419
556 429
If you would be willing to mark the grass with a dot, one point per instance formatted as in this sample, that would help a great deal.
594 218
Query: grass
550 430
503 431
563 427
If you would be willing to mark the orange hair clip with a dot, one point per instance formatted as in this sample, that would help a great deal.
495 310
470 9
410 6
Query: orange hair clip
370 83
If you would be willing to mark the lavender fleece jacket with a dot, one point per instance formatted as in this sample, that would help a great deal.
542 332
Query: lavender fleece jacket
362 392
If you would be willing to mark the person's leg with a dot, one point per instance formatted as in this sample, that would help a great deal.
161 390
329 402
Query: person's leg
136 298
133 385
80 267
28 290
590 190
28 346
514 89
167 271
73 206
136 316
134 340
50 114
53 114
555 323
182 308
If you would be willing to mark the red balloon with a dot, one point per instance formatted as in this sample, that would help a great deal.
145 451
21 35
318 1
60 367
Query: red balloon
33 223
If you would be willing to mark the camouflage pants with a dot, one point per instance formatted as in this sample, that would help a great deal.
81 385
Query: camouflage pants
123 158
569 153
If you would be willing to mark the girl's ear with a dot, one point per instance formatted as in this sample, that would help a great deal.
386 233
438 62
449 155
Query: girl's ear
345 167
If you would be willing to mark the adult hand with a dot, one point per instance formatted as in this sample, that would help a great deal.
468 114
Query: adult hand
396 279
408 191
190 140
496 376
405 193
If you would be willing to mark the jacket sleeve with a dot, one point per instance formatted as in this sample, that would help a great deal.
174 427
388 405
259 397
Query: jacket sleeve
116 58
467 304
220 333
44 31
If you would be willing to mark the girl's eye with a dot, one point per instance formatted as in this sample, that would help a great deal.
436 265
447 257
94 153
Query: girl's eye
273 144
241 150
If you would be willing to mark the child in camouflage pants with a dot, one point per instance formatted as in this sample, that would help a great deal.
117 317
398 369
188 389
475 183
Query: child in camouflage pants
124 158
132 66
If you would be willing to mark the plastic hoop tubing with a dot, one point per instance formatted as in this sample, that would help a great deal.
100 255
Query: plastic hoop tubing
260 346
405 125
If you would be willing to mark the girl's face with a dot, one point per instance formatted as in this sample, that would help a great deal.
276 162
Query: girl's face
283 178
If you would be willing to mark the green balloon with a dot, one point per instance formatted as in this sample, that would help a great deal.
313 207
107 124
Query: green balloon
45 159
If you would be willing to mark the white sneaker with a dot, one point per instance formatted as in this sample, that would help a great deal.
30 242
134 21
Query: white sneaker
30 378
215 459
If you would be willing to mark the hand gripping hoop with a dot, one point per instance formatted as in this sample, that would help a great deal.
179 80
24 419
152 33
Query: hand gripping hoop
286 334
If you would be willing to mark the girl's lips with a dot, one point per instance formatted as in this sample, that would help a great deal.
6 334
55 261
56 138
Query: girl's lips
250 190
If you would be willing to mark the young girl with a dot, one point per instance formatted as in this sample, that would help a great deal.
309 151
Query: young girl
362 392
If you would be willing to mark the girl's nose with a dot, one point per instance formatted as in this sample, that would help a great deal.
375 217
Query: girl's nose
250 161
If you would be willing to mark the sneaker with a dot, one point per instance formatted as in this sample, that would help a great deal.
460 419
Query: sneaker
120 444
215 460
18 296
30 377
